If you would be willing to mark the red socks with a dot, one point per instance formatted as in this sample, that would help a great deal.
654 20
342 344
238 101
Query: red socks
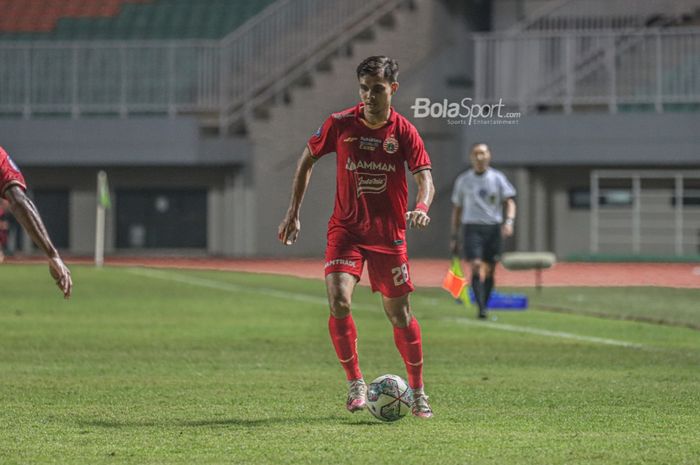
408 341
344 337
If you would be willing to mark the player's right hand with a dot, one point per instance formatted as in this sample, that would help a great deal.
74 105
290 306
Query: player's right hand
61 275
288 230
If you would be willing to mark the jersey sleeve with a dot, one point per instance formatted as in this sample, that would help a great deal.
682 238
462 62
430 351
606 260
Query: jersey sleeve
507 189
10 175
416 156
324 140
457 196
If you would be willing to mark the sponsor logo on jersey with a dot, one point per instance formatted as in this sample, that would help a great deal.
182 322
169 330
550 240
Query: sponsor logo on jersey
341 261
369 143
391 145
350 139
370 165
370 183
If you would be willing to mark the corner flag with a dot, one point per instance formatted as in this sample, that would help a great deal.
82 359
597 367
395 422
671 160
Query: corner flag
455 284
103 190
103 203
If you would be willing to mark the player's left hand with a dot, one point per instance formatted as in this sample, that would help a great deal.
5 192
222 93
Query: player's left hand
417 219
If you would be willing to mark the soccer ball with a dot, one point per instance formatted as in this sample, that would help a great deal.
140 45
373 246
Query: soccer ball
389 398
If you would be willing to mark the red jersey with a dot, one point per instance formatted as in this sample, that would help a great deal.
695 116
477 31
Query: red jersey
10 175
371 193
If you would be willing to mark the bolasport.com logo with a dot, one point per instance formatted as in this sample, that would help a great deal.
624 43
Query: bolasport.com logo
465 112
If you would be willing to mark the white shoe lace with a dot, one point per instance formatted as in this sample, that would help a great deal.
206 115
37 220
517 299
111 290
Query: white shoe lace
420 403
358 389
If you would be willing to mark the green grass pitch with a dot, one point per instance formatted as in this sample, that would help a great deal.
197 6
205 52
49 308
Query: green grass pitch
197 367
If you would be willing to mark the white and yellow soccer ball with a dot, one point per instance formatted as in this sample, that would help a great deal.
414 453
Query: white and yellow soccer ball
389 398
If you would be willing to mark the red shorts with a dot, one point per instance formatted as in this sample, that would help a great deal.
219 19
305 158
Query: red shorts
388 273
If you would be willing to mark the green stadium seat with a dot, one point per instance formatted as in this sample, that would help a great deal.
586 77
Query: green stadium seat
126 19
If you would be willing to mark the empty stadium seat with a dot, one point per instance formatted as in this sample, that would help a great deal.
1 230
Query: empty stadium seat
124 19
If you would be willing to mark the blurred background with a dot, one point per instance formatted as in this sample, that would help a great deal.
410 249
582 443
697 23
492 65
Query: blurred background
198 110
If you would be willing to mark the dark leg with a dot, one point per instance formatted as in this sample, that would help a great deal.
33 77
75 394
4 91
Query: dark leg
490 269
478 287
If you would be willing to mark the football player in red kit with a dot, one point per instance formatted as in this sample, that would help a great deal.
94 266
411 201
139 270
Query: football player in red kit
12 188
373 145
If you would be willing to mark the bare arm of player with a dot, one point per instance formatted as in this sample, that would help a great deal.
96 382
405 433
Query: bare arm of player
289 228
27 215
507 228
418 218
455 226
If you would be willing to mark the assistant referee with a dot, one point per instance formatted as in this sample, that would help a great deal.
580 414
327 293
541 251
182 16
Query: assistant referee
479 198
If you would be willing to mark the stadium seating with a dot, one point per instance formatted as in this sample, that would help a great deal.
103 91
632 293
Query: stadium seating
124 19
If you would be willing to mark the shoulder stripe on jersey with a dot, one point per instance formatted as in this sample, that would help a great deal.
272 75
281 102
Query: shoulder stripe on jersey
421 168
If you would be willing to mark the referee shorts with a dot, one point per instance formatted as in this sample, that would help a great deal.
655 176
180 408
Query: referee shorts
482 241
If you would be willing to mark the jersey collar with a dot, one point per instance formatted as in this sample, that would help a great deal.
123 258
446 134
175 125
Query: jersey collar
359 109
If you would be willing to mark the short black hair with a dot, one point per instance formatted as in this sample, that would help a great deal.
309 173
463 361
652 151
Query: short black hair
381 66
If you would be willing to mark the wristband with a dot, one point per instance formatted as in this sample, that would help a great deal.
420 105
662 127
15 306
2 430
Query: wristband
420 206
509 221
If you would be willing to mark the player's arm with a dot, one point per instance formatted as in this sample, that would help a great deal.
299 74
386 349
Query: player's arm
419 218
455 224
28 216
510 208
290 226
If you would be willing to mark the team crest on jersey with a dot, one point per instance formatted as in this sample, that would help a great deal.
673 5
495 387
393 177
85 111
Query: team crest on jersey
391 145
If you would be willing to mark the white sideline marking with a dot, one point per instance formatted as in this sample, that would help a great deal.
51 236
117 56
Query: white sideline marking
222 286
230 287
546 332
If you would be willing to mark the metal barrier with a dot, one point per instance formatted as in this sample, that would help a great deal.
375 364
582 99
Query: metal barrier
645 212
589 15
223 78
110 77
651 67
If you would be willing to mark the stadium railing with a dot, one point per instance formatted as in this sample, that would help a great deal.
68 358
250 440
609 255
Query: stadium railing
588 15
225 78
645 212
594 68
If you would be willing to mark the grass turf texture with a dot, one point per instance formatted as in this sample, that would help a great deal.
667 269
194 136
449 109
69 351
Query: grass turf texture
678 307
201 367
